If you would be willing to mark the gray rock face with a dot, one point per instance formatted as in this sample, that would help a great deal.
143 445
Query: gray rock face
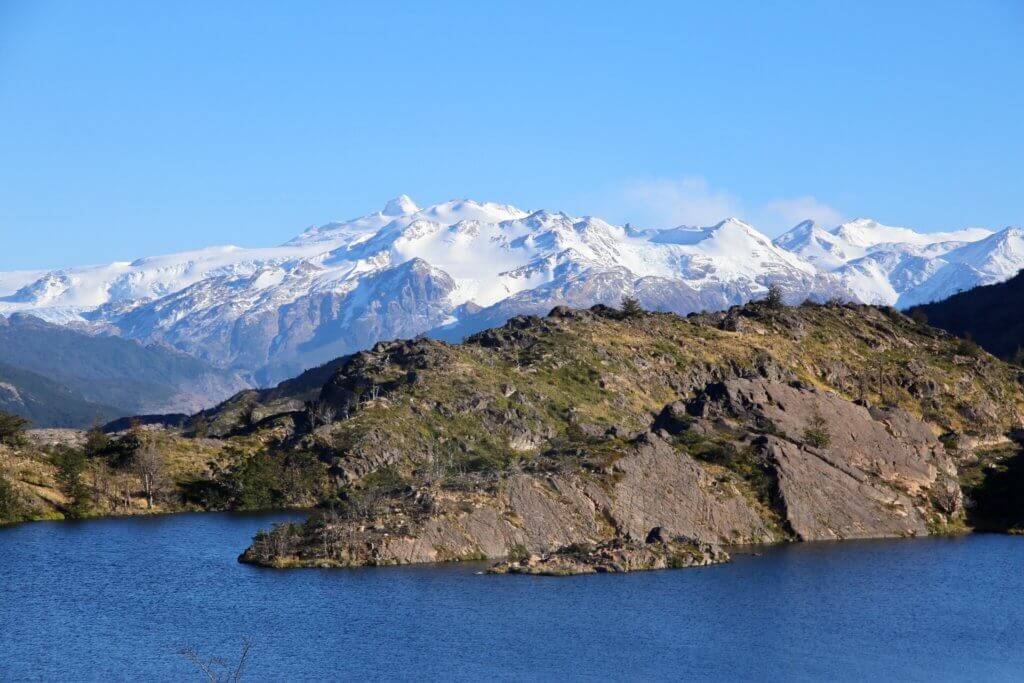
889 444
823 501
652 486
658 486
871 478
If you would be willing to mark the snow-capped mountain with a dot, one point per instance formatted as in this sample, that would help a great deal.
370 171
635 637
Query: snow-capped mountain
897 266
462 265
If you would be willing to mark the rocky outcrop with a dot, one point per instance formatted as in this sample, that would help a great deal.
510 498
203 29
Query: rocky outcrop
658 486
821 501
586 428
616 556
841 470
860 473
651 486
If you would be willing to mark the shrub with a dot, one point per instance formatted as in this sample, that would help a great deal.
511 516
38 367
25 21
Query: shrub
518 553
261 480
967 346
816 434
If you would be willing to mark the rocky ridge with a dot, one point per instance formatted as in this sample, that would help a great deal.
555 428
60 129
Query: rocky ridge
587 428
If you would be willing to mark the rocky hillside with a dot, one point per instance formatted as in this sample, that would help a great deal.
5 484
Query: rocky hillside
988 315
585 428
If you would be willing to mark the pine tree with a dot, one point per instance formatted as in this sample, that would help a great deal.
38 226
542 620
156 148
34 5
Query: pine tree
631 308
12 429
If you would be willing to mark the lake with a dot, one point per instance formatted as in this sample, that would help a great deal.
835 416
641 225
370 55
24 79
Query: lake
119 598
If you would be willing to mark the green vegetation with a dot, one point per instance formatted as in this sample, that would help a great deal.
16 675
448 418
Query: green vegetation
988 315
71 464
96 441
12 430
817 434
261 480
518 553
631 308
994 487
11 508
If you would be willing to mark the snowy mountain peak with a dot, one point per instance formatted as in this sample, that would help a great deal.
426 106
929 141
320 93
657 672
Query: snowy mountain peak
733 223
402 205
867 232
451 212
405 270
799 235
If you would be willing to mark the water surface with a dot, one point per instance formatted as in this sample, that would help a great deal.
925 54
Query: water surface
117 599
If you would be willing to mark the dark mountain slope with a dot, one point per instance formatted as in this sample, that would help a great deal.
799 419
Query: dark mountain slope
45 402
111 371
990 315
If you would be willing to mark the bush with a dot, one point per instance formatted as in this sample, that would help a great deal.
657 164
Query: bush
518 553
967 346
96 442
817 434
12 429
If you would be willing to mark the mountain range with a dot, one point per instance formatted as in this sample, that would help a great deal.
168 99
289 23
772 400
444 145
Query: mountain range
461 266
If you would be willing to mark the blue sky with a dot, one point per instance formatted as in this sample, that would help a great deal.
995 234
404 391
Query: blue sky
135 128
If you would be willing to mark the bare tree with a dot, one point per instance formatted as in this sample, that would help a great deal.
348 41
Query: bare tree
320 413
774 298
149 465
218 669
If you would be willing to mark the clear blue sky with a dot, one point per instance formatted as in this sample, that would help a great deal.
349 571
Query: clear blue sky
134 128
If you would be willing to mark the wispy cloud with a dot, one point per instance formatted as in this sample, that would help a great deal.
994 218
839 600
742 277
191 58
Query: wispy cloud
798 209
685 201
692 200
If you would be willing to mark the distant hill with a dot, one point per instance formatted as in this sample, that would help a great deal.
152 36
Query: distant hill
990 315
47 403
104 376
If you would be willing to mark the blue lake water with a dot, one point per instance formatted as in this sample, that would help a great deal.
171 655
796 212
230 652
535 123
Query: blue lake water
117 599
